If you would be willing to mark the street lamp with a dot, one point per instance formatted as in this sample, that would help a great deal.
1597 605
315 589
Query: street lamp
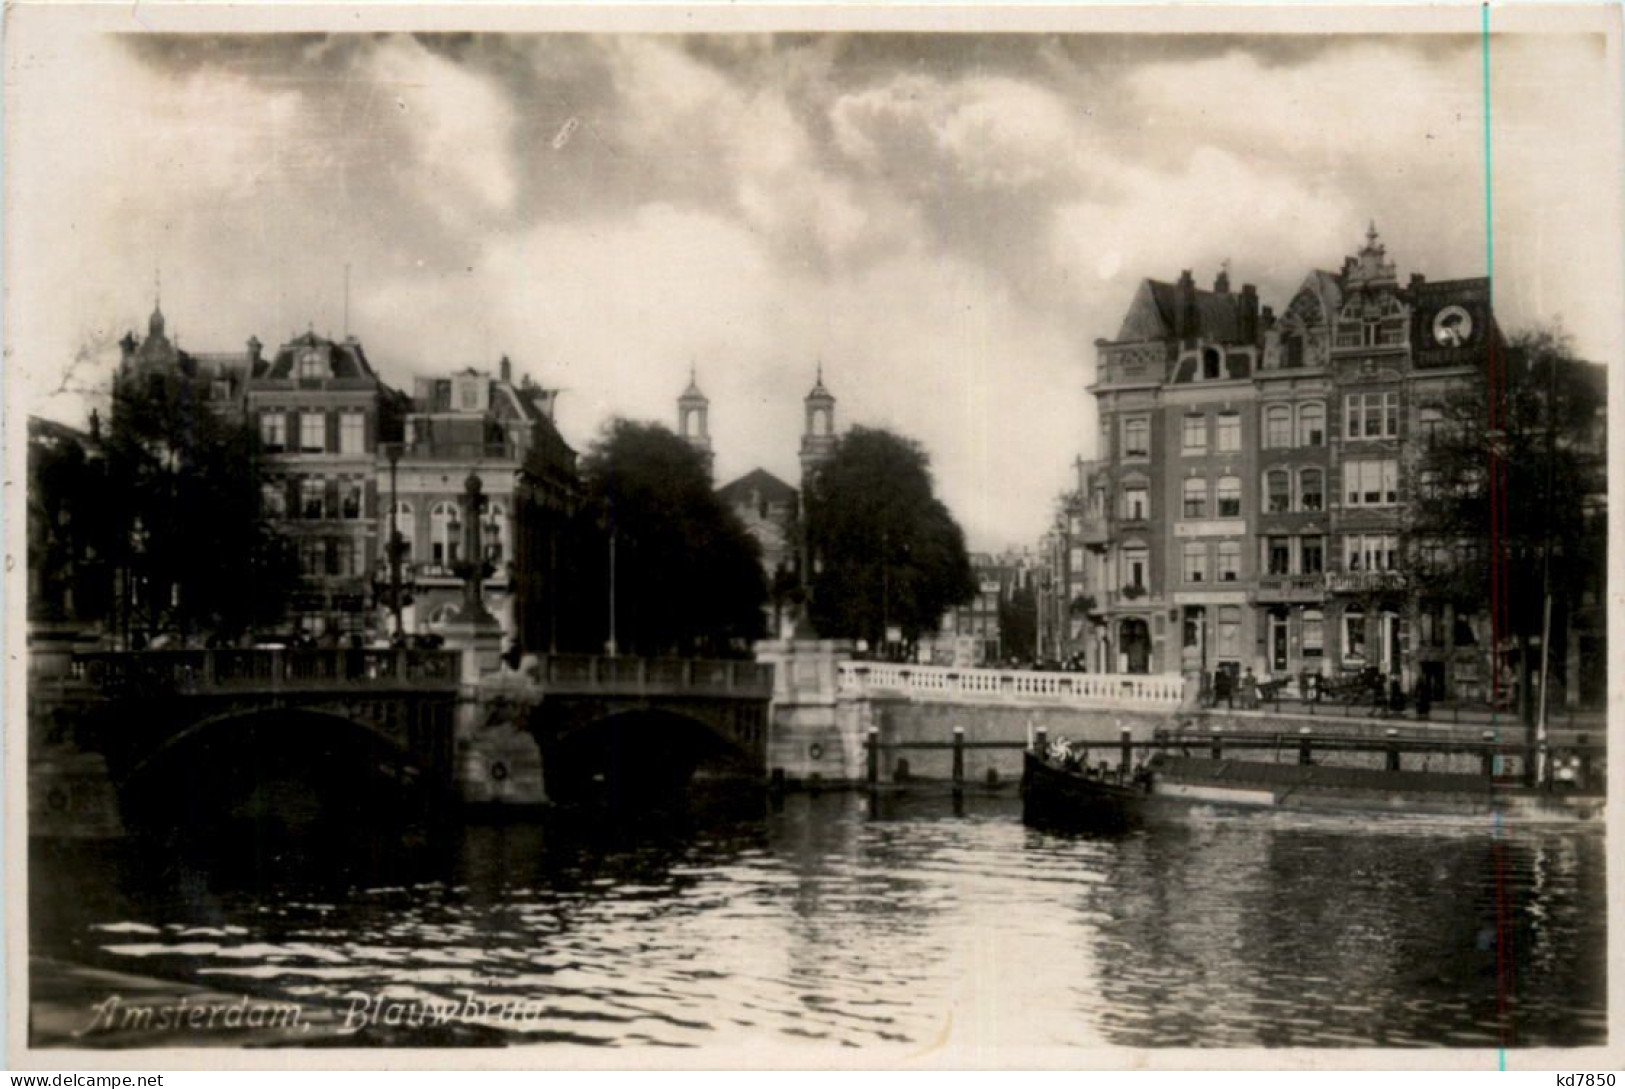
397 547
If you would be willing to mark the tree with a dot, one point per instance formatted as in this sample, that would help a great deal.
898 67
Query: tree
1513 473
181 516
1018 624
687 576
886 552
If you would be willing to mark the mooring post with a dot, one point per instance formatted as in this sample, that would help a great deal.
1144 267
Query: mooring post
1393 748
874 756
1487 762
1041 741
1305 754
1125 760
1583 752
959 757
1216 750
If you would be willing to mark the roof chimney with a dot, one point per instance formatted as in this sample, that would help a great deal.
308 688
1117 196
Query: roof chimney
1249 313
1221 282
1185 306
507 369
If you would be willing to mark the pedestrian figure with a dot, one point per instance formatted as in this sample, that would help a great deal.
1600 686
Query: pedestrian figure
1249 690
1223 689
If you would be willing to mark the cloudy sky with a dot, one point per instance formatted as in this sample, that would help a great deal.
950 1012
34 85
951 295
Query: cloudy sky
947 222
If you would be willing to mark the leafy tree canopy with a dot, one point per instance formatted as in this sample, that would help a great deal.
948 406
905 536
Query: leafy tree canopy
886 550
183 515
688 576
1515 471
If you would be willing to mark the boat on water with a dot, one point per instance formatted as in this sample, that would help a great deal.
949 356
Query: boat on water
1171 788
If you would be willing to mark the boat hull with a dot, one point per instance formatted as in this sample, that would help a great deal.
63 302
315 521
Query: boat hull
1174 789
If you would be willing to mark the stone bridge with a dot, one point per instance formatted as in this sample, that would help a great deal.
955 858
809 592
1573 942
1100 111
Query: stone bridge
601 724
194 737
165 732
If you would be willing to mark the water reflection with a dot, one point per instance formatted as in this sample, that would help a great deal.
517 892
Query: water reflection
835 920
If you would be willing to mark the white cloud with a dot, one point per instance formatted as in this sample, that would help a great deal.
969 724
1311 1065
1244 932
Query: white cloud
459 125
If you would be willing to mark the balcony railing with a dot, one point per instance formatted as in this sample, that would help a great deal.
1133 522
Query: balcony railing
1365 582
1282 588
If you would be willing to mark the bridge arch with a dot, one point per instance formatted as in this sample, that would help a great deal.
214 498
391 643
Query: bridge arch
639 757
275 773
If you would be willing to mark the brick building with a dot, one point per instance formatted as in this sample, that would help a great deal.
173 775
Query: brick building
1255 472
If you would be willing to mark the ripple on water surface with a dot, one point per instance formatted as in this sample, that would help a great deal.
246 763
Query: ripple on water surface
821 924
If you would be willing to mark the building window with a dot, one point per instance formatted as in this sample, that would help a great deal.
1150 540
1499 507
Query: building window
352 433
1311 489
1354 633
341 556
1229 629
1312 555
1277 426
495 533
1431 619
1136 564
1195 433
1229 495
312 557
313 498
1136 502
1427 484
1195 498
1278 555
470 395
1371 483
350 499
1074 565
1195 561
1314 633
273 499
1195 619
1229 427
1430 421
443 538
1371 415
1277 491
1137 437
1371 552
1312 424
403 526
312 432
1229 561
1210 363
274 431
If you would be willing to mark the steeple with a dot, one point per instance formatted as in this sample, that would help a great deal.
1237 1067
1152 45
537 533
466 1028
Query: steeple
693 408
155 324
818 437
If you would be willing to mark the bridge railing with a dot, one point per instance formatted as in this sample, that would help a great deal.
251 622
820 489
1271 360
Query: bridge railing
232 669
968 685
593 673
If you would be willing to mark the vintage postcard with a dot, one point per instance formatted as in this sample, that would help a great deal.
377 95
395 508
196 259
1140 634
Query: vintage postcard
845 536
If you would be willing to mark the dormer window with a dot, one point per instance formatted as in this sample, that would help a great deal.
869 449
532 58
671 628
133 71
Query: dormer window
311 364
1210 363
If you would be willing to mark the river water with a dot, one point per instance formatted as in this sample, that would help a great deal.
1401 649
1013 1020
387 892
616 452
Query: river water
833 920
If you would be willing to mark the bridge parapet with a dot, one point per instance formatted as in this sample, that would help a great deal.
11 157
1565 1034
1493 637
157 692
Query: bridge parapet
591 674
265 670
949 684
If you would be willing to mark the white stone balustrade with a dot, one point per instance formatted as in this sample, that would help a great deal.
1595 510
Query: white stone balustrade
950 684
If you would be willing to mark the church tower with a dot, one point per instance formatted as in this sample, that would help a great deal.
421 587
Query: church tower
818 439
693 408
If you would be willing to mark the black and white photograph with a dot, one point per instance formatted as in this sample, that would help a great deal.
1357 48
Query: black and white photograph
810 537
